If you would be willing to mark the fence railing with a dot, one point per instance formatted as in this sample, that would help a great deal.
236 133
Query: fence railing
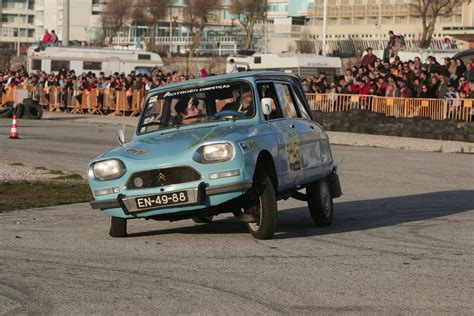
95 101
436 109
103 101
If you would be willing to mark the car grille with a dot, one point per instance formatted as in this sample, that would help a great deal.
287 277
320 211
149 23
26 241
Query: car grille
162 177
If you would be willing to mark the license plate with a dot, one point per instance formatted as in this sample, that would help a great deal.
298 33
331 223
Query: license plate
162 200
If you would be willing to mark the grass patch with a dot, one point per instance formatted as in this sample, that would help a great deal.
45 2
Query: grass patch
35 194
73 176
16 164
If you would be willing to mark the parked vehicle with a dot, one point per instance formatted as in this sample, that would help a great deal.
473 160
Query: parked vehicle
96 60
303 65
226 144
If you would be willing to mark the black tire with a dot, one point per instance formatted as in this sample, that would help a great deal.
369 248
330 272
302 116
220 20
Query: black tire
6 112
30 101
33 111
264 210
118 227
203 219
320 203
19 110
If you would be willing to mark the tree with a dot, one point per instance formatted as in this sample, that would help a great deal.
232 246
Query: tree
196 16
429 11
114 16
249 12
149 13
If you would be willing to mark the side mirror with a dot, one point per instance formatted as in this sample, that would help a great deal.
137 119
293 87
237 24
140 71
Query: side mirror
267 105
120 137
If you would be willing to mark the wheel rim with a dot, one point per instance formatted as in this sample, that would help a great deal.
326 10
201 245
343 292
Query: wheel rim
256 211
326 199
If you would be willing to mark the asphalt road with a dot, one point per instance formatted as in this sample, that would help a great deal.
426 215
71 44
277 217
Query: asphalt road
402 243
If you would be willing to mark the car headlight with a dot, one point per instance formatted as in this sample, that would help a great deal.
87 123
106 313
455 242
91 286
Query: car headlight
107 169
211 153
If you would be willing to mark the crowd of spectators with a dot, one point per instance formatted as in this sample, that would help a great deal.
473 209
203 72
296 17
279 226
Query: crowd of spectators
70 83
68 79
394 78
373 76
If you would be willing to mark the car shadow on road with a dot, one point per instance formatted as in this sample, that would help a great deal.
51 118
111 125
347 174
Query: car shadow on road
349 216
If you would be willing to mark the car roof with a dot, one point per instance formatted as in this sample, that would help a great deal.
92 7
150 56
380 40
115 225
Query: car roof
238 75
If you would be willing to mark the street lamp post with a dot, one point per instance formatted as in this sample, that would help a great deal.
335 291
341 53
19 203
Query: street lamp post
18 37
325 18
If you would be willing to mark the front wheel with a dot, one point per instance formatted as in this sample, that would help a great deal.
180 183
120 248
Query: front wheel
264 210
118 227
320 203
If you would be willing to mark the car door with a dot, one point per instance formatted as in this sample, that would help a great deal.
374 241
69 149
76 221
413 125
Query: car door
311 140
292 129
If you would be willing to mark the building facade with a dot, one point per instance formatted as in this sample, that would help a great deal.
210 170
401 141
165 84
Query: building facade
372 19
17 23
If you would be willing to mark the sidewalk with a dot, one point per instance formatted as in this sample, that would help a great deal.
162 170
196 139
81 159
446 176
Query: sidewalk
337 138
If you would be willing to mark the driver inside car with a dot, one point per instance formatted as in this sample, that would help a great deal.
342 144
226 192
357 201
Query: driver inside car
243 105
187 112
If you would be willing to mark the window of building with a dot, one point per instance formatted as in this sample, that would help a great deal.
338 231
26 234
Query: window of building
36 64
399 19
31 19
56 65
91 65
31 33
387 20
31 4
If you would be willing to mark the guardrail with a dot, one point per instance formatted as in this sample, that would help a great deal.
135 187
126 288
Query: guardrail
103 101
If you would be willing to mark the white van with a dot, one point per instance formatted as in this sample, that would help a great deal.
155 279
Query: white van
303 65
96 60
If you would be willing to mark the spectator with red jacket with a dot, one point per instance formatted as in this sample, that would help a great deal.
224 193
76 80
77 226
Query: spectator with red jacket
44 41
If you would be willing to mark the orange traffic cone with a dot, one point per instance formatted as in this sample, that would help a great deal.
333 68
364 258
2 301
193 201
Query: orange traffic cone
14 130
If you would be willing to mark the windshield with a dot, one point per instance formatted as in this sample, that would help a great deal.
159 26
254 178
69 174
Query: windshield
192 105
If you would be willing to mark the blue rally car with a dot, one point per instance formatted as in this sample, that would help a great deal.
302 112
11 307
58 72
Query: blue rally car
226 144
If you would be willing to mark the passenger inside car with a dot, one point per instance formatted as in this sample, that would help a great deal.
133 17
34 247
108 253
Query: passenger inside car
186 111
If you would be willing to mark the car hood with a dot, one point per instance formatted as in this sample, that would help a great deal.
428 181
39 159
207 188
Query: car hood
170 144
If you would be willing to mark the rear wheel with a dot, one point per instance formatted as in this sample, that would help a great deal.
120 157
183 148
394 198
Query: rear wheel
264 210
118 227
320 203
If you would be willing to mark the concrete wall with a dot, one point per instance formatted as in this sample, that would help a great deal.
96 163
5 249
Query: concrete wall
214 65
366 122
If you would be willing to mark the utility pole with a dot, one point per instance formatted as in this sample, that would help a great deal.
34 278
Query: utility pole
65 23
18 37
325 22
171 28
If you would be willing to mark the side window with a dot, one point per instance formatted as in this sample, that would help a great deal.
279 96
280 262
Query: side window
300 104
267 90
286 101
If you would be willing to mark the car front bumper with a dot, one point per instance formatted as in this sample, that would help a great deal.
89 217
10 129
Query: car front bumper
203 196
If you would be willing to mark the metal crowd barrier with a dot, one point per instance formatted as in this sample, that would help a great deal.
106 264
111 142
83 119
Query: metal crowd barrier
95 101
104 101
436 109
